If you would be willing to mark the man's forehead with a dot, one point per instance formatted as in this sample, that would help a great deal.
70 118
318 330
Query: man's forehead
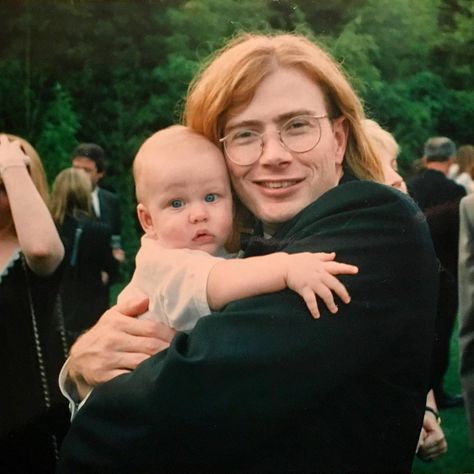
83 162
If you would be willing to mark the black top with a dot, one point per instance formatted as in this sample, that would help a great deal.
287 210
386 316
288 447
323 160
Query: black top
26 425
85 297
261 386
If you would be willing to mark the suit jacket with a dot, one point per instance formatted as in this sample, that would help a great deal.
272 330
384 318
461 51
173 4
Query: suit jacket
466 306
261 386
110 211
438 197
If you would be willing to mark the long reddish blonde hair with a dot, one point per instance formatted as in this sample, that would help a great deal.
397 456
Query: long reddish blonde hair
229 79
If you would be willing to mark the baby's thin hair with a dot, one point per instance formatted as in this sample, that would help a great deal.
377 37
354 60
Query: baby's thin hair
165 136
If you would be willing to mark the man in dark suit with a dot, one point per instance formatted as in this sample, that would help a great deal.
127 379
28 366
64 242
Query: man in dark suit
352 350
261 386
106 206
438 197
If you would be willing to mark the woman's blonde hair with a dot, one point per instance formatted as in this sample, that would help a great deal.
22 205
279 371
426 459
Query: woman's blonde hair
71 195
465 158
227 83
35 167
380 138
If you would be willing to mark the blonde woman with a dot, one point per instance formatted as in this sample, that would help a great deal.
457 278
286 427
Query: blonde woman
89 261
33 415
465 162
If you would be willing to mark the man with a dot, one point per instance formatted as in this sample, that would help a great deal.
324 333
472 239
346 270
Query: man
106 206
261 386
438 197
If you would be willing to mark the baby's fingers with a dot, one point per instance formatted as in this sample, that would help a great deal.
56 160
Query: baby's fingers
332 283
324 256
337 268
310 299
324 292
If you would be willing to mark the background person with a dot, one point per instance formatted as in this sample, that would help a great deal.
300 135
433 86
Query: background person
466 307
438 198
90 157
89 260
465 162
33 415
260 385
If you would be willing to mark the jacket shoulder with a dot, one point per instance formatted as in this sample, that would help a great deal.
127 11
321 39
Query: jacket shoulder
352 202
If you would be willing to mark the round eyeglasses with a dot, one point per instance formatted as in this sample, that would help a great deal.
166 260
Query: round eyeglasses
299 135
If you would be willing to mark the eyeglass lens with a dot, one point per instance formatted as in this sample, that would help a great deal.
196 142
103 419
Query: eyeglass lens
299 135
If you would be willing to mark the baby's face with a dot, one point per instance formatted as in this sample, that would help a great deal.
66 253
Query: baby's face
190 201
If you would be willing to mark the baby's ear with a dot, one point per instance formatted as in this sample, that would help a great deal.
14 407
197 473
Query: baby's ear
145 220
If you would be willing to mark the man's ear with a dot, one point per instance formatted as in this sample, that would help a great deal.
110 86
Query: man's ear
341 131
145 219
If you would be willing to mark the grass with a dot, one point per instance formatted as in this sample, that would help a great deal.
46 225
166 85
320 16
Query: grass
460 455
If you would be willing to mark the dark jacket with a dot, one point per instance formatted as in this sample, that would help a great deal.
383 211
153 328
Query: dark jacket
110 210
84 295
261 386
438 198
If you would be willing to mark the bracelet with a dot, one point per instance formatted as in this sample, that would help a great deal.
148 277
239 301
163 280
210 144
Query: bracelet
11 165
435 413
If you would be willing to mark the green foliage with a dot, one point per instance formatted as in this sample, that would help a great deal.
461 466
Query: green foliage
58 135
112 72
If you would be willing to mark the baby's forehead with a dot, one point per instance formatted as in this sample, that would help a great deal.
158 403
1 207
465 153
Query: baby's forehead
169 149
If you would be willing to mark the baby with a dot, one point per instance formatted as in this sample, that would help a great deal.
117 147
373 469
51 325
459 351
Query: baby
185 208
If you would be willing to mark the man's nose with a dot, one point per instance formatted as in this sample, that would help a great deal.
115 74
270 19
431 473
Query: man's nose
274 151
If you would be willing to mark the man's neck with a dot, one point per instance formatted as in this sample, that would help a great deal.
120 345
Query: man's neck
442 166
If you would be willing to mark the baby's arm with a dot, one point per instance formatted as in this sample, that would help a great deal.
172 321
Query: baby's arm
308 274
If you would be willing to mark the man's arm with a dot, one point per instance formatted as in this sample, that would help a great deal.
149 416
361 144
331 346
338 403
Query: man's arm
117 344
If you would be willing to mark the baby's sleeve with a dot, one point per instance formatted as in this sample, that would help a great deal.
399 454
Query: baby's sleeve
175 281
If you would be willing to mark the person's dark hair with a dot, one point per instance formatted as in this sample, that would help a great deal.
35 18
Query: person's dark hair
92 151
439 149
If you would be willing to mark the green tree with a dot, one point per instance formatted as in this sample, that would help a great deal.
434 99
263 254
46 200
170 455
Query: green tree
58 135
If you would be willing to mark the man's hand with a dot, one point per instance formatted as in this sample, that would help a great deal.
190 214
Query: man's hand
116 345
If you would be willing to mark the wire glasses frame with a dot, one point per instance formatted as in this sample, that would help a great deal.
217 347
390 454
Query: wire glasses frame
300 134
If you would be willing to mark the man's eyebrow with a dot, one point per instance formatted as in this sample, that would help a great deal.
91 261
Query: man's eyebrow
281 118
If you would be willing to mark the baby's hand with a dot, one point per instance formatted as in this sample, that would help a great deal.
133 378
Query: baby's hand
311 274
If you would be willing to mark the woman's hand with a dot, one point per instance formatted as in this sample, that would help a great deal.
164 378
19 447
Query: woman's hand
11 155
432 443
116 345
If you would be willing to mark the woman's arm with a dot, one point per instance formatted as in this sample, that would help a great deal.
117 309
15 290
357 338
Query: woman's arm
432 442
35 229
308 274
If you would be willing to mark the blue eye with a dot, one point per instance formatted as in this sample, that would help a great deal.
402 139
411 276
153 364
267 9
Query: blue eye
210 197
176 203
